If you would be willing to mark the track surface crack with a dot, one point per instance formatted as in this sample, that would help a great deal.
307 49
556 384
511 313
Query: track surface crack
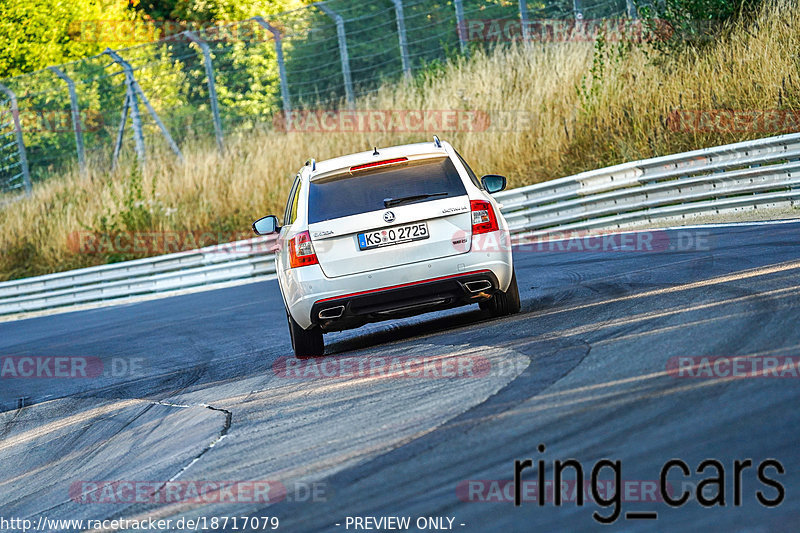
222 434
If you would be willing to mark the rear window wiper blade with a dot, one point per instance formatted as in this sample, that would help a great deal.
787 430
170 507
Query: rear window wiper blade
391 202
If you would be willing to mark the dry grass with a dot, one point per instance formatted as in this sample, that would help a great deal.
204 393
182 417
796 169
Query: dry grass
581 121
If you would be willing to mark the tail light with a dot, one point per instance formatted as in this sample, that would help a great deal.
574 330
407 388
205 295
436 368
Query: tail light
301 251
483 218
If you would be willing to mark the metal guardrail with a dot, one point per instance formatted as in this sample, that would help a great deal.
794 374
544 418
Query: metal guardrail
205 266
751 174
760 173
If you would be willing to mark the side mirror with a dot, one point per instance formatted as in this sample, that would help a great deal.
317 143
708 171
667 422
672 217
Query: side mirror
493 183
266 226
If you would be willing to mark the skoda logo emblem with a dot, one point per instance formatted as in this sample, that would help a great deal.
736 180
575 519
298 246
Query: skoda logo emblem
388 216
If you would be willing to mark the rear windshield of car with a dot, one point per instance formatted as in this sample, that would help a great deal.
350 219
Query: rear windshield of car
351 195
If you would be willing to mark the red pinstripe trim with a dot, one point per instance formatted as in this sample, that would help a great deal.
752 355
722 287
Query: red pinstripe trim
402 285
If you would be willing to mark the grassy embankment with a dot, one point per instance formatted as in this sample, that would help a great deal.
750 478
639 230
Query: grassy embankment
591 108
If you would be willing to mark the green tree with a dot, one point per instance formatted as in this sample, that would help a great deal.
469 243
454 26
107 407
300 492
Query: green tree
213 10
37 33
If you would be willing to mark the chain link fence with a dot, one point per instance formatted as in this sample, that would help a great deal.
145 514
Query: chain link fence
207 82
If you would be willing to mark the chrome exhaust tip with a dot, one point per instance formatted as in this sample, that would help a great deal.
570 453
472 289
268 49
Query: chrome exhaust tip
331 313
478 286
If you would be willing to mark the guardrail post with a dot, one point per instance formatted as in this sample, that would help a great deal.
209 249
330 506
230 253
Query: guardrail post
23 158
212 88
462 30
523 20
76 118
276 36
401 36
345 57
136 91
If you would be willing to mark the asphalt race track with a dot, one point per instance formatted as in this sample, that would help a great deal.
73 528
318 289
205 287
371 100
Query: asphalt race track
191 390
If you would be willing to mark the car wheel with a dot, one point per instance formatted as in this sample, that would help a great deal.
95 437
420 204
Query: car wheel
305 342
504 303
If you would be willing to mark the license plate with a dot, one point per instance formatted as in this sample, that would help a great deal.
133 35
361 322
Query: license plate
391 236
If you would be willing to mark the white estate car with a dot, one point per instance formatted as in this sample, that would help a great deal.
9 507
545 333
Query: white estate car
387 234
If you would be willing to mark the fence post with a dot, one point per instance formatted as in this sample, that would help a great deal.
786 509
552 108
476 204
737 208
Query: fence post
461 29
132 103
345 57
523 20
577 10
121 132
632 13
401 35
212 87
23 158
136 92
276 35
76 118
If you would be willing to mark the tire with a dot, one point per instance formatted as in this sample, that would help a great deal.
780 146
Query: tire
305 342
504 303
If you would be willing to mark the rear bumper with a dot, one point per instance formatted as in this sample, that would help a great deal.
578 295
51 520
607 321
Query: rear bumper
304 287
408 299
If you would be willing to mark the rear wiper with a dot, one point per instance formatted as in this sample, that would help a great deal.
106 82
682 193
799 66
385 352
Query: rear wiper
391 202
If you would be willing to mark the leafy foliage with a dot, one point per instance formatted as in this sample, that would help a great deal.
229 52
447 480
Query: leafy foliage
678 24
213 10
38 33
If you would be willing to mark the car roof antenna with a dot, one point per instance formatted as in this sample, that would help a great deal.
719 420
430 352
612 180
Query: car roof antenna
376 151
436 141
